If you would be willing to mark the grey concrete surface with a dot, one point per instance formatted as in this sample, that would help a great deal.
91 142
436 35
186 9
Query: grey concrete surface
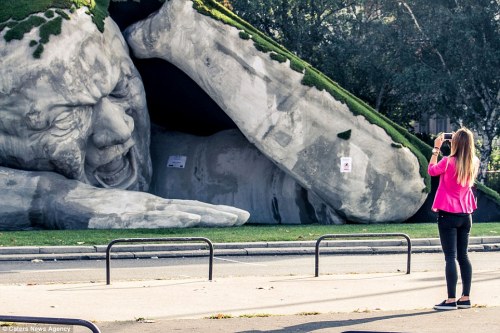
344 302
422 321
379 299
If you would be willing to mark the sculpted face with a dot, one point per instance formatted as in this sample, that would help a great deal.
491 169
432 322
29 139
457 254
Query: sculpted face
79 110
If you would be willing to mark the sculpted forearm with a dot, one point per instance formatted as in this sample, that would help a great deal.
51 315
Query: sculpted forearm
36 200
47 200
16 199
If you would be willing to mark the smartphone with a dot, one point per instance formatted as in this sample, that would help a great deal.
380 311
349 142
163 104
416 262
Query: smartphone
448 136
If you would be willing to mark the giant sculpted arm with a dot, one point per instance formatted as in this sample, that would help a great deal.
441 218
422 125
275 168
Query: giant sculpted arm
48 200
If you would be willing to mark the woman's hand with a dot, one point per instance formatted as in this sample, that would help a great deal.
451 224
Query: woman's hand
438 142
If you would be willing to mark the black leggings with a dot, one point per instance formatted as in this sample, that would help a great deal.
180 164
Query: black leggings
454 232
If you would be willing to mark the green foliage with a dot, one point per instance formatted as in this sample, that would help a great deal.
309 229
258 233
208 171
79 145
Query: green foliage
244 35
262 48
63 14
19 10
23 27
38 51
493 173
33 43
99 13
278 57
313 78
297 66
52 27
49 14
346 135
396 145
20 17
489 192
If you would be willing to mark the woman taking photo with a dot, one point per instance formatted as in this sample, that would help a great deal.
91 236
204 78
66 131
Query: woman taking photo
454 202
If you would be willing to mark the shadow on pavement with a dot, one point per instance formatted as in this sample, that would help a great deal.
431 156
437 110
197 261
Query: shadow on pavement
314 326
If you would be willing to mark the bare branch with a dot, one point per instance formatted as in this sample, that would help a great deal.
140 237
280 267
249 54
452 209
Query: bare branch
419 28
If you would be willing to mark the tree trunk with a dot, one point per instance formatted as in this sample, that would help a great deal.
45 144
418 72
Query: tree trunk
379 97
484 158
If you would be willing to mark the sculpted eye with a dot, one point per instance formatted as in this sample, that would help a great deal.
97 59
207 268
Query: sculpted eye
37 121
64 120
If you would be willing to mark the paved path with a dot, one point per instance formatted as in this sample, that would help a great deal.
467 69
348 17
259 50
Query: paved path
235 296
375 301
484 320
379 302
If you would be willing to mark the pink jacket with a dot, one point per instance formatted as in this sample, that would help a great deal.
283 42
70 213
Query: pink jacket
450 195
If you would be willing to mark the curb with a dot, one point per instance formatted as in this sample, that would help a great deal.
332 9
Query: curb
174 250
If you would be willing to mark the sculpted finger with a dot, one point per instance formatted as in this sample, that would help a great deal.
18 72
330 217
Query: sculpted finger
242 216
157 219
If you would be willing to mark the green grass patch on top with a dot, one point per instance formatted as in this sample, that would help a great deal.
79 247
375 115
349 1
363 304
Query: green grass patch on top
52 27
20 9
278 57
49 14
23 27
245 233
21 16
244 35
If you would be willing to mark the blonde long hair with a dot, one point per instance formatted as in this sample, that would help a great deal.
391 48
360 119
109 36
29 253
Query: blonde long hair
462 148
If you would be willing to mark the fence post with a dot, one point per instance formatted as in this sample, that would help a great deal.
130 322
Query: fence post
51 321
331 236
168 239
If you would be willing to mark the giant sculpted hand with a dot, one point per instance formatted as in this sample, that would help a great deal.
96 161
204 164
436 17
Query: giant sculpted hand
48 200
76 121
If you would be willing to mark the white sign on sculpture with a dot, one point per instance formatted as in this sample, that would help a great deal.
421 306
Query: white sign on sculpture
345 164
176 161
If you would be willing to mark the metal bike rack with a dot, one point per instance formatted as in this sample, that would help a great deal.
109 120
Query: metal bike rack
168 239
51 321
364 235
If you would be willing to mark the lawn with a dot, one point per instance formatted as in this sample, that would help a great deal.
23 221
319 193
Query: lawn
247 233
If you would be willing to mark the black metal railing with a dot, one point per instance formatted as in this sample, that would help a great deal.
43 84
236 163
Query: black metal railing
148 240
364 235
50 321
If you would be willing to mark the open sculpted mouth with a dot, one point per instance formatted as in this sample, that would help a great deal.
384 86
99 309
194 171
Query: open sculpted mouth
120 173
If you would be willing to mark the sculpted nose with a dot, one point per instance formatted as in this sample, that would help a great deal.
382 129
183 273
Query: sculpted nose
112 126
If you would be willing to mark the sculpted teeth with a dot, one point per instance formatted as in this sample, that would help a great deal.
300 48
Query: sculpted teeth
124 177
115 179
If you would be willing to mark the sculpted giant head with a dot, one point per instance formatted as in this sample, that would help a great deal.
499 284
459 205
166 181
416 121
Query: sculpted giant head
79 110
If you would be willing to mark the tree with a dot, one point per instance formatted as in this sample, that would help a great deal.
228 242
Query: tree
302 26
457 63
